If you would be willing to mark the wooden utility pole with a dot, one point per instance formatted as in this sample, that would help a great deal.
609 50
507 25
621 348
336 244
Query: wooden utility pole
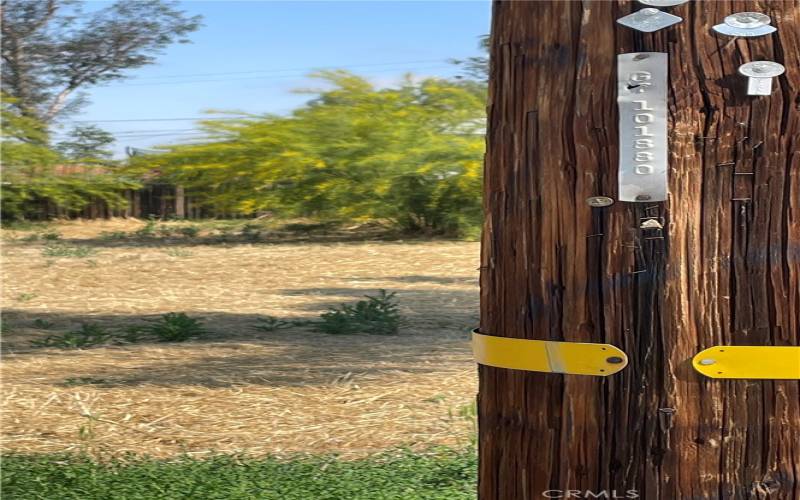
727 271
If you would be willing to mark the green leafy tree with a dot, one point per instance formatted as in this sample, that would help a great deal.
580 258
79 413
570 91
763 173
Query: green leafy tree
51 48
411 155
33 172
87 144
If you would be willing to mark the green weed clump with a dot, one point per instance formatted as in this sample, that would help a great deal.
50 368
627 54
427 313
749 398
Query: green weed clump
175 327
148 230
152 229
42 324
271 324
46 236
87 335
51 236
375 315
171 327
64 250
179 252
188 231
436 475
113 235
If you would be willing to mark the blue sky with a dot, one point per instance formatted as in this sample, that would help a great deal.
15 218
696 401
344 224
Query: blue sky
250 55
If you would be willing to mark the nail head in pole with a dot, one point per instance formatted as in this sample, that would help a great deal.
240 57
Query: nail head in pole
599 201
748 20
707 362
759 76
746 24
762 69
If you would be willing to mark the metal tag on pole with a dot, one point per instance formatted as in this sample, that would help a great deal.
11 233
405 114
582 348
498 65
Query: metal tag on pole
642 101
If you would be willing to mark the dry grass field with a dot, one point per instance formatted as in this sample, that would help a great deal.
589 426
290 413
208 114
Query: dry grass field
235 389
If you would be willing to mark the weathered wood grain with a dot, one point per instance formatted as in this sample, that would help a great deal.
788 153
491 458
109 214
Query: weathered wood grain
727 272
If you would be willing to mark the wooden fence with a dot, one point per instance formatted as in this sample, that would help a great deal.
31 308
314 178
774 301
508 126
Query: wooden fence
153 200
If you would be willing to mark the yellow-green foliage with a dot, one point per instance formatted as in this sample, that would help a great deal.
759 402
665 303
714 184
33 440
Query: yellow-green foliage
411 155
30 171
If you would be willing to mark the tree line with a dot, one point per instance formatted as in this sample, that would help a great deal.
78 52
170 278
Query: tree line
409 155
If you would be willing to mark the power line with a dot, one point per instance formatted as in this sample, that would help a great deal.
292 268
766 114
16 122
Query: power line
160 136
196 118
167 133
186 82
155 131
143 132
206 118
309 68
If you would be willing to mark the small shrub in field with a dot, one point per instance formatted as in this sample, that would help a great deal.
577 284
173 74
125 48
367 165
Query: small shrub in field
133 334
164 231
188 231
176 327
42 324
87 336
148 230
271 323
178 252
25 297
376 315
251 232
113 235
63 250
48 236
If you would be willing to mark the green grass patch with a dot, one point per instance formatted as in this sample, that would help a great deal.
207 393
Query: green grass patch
64 250
87 335
436 475
25 225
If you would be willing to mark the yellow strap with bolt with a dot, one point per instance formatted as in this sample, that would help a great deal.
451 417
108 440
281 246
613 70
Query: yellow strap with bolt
547 356
749 362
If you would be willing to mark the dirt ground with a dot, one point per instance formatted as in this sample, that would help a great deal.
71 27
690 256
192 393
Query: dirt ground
236 389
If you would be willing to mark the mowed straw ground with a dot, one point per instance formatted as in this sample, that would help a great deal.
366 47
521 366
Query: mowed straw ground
236 389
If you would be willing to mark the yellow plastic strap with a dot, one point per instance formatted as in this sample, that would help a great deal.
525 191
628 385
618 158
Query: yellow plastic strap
749 361
547 356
